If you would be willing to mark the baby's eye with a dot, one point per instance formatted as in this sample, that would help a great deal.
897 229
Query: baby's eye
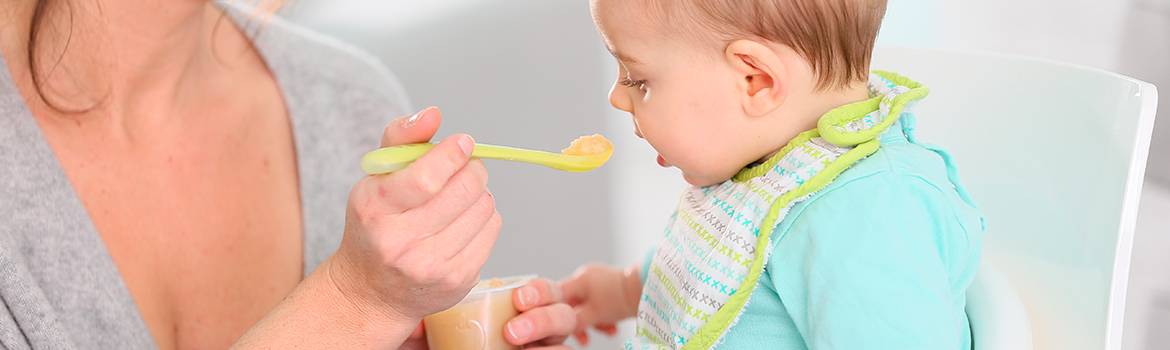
627 82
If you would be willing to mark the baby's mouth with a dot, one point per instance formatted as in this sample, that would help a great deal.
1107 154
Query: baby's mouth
662 162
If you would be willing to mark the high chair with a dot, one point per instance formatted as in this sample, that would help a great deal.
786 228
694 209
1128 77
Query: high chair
1054 155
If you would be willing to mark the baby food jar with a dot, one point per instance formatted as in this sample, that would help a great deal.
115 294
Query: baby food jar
476 322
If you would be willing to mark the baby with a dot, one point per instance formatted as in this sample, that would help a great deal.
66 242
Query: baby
816 220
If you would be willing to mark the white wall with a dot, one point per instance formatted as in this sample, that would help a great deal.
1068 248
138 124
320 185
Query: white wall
1145 54
1085 32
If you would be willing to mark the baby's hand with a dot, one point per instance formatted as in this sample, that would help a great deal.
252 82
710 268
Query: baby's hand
545 321
602 295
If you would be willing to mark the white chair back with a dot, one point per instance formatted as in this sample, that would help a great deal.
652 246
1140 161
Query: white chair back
1054 155
998 318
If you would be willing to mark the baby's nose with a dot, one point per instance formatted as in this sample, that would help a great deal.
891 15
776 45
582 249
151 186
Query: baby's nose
620 99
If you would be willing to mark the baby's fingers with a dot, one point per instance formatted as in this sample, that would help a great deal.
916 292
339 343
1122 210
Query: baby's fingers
550 324
573 290
538 292
582 337
608 329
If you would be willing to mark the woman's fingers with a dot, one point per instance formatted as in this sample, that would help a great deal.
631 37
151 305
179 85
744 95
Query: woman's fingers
550 324
428 175
387 251
464 200
469 238
420 127
477 251
462 242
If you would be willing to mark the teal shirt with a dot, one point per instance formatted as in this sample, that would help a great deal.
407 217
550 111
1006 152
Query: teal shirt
878 259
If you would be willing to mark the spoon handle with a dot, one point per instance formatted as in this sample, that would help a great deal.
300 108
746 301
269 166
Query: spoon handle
395 158
391 159
513 154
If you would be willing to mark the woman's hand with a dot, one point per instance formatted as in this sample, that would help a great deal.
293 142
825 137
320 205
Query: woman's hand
601 296
544 321
415 239
414 243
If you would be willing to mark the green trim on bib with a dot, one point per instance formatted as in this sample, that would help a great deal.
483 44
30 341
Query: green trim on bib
759 170
831 125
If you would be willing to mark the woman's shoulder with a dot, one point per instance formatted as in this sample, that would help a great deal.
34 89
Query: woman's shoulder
339 100
312 66
296 50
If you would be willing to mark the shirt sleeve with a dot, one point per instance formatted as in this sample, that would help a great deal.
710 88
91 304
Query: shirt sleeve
647 259
865 266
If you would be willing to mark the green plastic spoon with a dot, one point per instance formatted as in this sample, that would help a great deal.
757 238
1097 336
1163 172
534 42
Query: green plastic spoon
391 159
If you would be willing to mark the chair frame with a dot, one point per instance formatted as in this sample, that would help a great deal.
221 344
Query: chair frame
955 63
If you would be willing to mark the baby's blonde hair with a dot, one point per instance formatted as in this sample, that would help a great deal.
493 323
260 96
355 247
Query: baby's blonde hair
835 36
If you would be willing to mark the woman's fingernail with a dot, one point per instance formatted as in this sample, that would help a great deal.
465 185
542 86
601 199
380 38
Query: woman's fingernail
410 121
527 295
414 118
520 329
467 144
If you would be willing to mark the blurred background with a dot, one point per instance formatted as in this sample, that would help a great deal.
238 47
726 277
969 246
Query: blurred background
534 74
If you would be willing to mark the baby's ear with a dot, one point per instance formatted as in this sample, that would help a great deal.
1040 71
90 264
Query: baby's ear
762 78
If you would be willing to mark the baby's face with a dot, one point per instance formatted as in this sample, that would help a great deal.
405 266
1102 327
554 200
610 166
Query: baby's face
684 102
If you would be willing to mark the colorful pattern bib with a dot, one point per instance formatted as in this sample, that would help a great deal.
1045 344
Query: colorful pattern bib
710 259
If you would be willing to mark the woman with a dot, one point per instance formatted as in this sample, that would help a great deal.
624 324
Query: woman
170 182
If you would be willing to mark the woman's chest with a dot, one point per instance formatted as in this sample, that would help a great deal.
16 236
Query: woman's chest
204 224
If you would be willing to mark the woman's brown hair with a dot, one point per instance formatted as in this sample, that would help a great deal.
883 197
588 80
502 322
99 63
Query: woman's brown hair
33 68
264 8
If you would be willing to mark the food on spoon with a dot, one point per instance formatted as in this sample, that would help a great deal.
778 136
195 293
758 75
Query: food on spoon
588 146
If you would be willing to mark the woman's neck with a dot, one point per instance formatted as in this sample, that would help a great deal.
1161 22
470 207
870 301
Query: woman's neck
120 58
